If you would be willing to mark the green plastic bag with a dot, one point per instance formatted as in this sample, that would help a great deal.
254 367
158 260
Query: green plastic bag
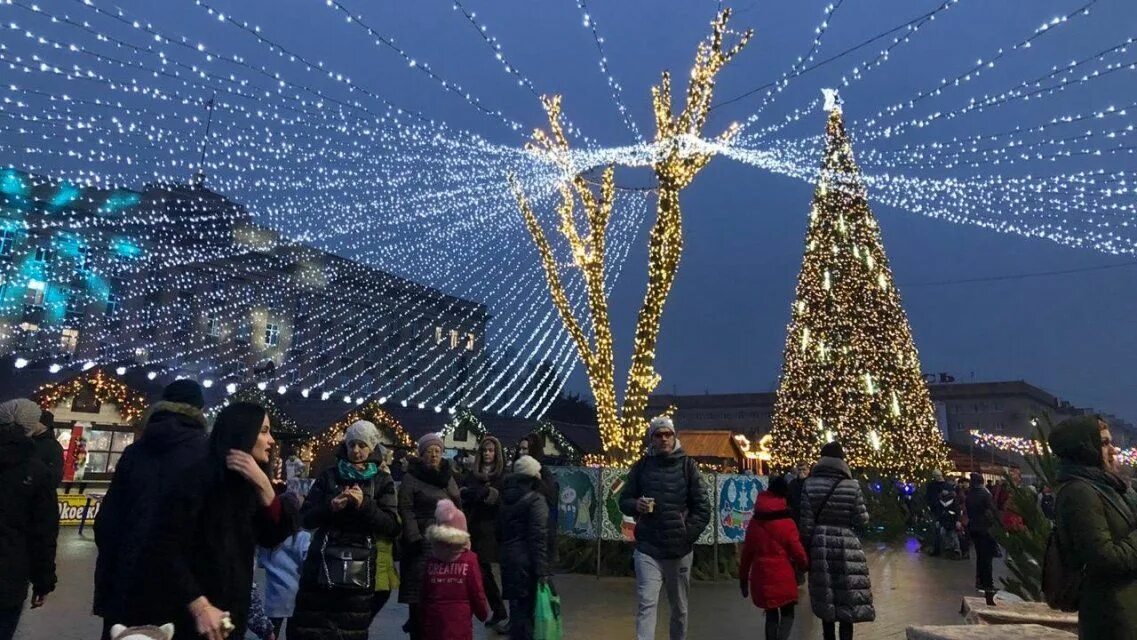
547 617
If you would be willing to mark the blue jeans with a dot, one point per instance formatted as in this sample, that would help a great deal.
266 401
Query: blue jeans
651 574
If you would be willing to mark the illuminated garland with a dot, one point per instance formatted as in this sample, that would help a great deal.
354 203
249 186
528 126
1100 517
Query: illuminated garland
851 372
284 423
1027 447
331 437
131 403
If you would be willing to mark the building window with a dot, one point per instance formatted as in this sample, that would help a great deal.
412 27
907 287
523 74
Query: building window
7 240
69 340
453 338
213 326
469 342
113 303
42 254
84 260
36 290
438 335
104 448
74 312
461 432
272 335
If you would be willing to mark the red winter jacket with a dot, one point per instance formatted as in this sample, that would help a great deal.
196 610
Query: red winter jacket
771 552
452 592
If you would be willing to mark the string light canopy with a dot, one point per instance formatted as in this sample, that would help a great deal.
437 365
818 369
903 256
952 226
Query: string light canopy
851 372
675 165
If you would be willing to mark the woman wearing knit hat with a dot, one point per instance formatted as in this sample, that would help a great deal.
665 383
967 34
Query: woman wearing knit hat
429 480
523 529
453 589
351 505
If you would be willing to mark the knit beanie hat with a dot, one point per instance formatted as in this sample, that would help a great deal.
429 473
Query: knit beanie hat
449 525
23 413
362 431
833 450
429 439
184 391
660 423
527 466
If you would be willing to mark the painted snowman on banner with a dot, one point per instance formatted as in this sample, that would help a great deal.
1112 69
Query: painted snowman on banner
737 495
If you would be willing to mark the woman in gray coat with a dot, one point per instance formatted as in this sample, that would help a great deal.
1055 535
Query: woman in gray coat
831 505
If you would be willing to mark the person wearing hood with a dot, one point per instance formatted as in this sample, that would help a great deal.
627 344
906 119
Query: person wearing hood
429 479
37 425
173 441
982 520
523 525
200 568
481 500
832 504
29 524
666 496
1096 525
771 557
452 590
351 504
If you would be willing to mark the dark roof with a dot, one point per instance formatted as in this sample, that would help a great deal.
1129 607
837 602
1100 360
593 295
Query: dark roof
586 437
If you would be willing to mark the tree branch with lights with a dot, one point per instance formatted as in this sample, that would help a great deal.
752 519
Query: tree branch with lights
678 159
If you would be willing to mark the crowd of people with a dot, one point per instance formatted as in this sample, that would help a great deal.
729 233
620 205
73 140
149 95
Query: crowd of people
191 511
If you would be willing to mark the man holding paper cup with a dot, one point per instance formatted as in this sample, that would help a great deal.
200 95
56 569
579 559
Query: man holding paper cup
666 496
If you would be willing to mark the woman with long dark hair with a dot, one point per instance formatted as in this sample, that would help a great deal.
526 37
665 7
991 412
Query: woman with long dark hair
201 566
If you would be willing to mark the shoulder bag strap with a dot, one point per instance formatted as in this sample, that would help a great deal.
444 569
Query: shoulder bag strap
817 512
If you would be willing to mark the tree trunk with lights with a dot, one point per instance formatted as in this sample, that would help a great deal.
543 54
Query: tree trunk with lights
851 371
678 161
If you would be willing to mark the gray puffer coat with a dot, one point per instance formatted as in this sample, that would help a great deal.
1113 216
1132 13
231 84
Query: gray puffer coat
839 588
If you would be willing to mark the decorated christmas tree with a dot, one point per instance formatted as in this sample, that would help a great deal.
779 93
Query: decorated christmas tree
851 372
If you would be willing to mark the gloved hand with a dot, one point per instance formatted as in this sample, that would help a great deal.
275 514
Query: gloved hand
744 586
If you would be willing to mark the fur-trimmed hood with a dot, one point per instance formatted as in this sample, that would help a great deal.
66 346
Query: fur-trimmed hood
167 424
447 543
498 468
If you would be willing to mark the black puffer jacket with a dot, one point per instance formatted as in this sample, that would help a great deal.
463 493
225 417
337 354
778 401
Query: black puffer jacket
50 453
481 500
340 614
29 520
981 515
682 509
140 495
831 506
419 494
523 527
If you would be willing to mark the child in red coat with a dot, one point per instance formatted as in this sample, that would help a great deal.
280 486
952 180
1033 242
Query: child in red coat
452 590
770 554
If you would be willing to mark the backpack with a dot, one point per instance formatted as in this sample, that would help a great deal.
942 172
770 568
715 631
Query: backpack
1062 584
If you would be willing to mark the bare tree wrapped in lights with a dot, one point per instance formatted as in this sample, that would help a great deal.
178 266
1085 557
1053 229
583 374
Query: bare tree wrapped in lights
851 371
677 162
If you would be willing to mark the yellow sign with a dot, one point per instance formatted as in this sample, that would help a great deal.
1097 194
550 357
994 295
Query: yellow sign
71 509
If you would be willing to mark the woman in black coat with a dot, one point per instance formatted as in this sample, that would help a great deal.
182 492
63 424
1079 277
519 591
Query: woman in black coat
523 527
354 497
429 478
481 499
201 564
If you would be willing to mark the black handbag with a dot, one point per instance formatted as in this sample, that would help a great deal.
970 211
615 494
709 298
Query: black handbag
347 561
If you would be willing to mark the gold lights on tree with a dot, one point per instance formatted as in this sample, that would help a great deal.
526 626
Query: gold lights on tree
678 159
851 372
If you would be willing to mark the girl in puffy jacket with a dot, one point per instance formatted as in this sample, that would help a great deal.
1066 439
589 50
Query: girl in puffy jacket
452 587
770 555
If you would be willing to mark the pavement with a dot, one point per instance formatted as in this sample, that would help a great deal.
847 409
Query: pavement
909 588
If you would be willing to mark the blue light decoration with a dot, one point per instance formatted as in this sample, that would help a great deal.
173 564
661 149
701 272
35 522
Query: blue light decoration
876 486
65 195
125 247
119 200
13 184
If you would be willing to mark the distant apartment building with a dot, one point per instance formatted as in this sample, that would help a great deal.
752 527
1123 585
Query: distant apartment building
178 278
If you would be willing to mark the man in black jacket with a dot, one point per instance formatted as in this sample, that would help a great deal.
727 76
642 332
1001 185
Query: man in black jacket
980 521
665 495
29 523
29 417
173 441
